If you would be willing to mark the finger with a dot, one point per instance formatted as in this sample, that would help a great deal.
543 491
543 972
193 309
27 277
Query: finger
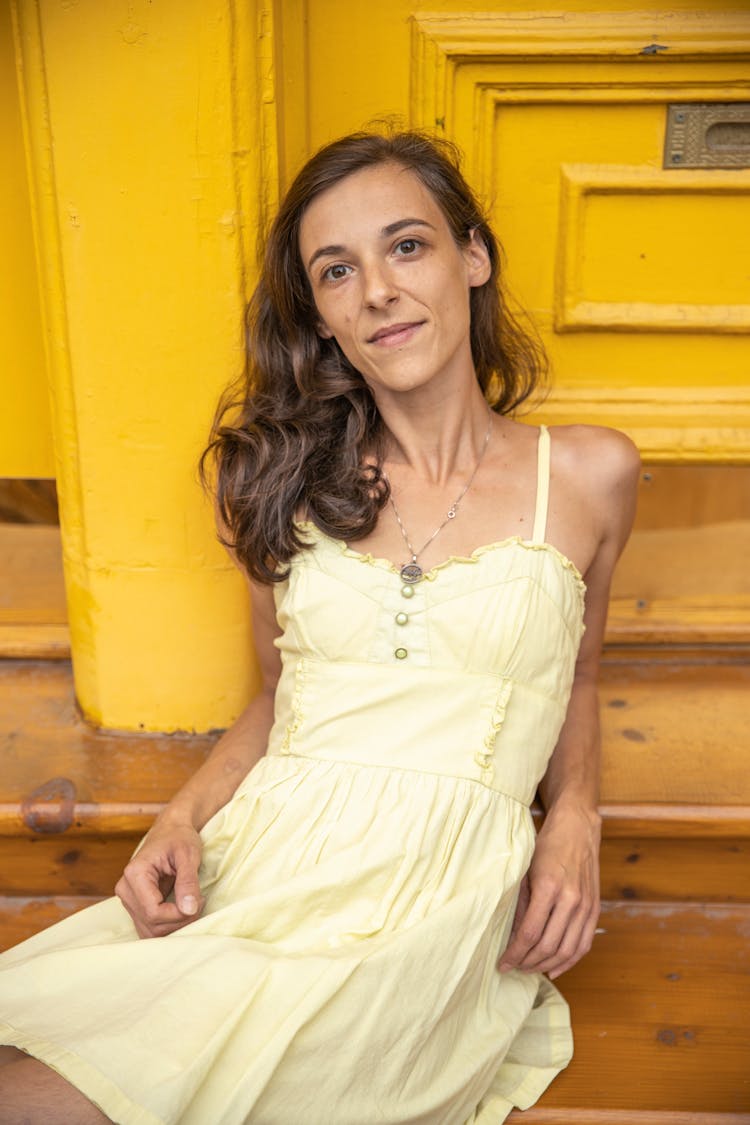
153 919
563 931
566 950
575 946
161 929
187 891
521 905
164 920
142 894
147 886
547 947
530 928
584 945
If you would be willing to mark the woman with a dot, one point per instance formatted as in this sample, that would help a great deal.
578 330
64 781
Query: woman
354 916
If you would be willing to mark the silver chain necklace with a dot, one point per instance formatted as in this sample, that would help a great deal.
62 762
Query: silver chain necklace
412 572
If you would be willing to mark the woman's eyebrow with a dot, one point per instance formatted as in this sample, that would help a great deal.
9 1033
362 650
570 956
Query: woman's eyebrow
393 228
325 252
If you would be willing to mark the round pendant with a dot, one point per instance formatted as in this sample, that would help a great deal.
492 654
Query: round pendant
411 572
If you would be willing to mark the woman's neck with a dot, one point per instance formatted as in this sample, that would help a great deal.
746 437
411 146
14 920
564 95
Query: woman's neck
435 440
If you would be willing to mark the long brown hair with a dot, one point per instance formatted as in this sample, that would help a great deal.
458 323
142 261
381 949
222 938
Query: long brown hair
293 434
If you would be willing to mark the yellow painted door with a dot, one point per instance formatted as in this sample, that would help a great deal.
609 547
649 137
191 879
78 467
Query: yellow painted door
633 265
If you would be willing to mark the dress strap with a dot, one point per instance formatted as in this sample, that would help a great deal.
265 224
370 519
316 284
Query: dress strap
542 486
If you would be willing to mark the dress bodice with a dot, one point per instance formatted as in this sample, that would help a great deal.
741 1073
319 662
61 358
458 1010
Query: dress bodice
467 672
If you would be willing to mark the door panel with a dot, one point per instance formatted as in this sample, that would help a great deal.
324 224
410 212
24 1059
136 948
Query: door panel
635 274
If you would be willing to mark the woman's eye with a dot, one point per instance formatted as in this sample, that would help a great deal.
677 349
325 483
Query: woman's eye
407 246
335 272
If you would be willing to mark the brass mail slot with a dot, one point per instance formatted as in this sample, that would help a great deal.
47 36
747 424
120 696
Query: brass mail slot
708 135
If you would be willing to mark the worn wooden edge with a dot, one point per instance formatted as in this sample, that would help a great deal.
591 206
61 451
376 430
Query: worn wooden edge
625 652
64 904
659 820
575 1116
626 631
22 917
34 642
652 820
124 818
55 818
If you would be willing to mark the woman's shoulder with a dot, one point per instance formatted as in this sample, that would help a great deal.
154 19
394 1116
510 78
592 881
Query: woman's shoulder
603 455
601 466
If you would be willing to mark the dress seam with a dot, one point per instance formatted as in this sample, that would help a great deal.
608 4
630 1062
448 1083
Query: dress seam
390 767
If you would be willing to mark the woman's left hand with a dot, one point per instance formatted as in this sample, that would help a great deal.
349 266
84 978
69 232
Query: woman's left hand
558 906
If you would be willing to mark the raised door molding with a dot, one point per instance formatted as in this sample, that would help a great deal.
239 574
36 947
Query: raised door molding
466 68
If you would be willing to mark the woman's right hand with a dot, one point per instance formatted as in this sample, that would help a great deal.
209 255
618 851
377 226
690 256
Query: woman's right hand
168 860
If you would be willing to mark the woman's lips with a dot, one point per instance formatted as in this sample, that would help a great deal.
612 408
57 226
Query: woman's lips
395 334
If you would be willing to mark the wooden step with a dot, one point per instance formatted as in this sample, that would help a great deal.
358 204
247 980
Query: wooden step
683 578
661 1038
659 1012
676 793
33 613
660 1018
676 806
675 737
22 917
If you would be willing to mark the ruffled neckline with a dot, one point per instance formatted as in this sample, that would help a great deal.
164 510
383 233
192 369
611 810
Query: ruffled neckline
369 559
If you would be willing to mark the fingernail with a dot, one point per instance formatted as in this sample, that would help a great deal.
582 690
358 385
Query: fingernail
504 966
189 905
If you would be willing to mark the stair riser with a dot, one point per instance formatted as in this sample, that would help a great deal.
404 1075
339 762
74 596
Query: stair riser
682 869
639 869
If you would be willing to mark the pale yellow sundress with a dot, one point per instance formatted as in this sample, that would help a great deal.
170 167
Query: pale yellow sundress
362 881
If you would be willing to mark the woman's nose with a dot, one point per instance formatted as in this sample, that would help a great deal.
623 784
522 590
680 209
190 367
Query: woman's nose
379 287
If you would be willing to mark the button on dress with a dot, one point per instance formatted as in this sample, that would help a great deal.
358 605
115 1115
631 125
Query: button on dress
361 883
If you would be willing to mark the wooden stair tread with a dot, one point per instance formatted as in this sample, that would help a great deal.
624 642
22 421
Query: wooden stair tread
633 869
33 611
74 801
706 599
687 620
33 589
674 736
22 917
580 1116
683 576
659 1009
60 774
675 562
34 642
675 733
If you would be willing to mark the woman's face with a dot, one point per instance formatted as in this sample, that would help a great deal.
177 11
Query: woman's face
389 282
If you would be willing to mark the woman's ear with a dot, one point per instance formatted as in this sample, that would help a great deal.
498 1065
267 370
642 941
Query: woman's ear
323 330
477 259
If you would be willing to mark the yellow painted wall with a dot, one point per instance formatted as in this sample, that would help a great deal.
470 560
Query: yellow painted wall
25 430
172 126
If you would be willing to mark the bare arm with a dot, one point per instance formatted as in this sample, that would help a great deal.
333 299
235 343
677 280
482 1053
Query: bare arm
559 902
240 747
170 855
